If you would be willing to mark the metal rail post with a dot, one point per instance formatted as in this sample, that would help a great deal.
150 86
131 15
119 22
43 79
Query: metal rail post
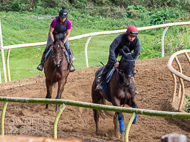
3 117
163 40
2 55
56 121
86 46
129 126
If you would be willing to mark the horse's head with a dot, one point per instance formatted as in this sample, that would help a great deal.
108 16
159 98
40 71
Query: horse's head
126 68
57 52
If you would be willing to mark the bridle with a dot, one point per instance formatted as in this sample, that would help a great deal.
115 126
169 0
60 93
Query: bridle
61 57
60 62
122 74
124 83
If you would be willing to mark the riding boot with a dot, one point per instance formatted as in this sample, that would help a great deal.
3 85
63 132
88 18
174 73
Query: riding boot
102 77
71 66
41 65
99 86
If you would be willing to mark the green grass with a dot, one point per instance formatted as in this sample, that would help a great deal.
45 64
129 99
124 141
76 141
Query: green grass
19 28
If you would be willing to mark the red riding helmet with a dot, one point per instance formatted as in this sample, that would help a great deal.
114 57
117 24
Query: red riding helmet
132 30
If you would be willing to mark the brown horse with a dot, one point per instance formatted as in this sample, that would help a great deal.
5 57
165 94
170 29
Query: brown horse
56 69
121 90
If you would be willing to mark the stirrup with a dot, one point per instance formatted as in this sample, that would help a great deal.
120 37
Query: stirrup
40 67
71 68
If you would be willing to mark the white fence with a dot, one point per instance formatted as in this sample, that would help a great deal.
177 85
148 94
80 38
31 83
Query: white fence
181 89
79 37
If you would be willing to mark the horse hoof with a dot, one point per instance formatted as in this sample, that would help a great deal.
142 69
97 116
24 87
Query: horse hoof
122 137
117 135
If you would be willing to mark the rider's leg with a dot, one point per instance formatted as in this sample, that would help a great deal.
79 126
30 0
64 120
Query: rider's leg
102 77
48 45
41 65
71 67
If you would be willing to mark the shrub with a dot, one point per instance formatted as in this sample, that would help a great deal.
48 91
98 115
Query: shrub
187 106
161 17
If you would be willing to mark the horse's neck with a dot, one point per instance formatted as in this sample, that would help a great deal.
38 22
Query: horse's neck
117 77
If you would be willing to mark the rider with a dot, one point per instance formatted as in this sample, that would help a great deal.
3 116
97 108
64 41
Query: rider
60 27
127 40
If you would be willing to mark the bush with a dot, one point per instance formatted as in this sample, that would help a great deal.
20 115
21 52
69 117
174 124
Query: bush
161 17
187 106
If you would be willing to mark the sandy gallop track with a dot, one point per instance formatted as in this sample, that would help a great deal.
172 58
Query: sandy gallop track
155 85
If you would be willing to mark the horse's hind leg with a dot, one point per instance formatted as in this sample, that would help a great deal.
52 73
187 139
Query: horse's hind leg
49 90
96 97
96 119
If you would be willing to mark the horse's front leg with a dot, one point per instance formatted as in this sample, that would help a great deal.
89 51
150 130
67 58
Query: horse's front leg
134 105
115 121
61 85
120 117
49 90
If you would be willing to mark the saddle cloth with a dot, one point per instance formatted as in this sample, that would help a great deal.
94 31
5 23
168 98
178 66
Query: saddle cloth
67 56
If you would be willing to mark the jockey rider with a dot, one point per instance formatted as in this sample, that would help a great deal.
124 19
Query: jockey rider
60 27
127 40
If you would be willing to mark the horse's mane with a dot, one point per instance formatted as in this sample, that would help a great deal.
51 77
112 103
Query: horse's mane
57 39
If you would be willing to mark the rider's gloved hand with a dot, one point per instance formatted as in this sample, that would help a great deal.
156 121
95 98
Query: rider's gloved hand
116 64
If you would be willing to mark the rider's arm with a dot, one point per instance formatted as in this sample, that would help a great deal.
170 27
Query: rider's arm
51 33
69 25
113 46
137 50
67 36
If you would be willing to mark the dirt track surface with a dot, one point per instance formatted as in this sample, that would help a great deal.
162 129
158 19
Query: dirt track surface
155 85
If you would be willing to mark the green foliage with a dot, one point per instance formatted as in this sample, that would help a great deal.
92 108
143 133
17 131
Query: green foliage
161 17
187 106
135 11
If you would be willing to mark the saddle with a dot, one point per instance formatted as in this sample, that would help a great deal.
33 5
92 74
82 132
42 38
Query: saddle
109 74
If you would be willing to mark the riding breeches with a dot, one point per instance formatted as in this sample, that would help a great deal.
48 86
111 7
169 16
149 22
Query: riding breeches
49 44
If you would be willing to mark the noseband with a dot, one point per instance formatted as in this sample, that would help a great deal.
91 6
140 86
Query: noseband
59 62
61 57
126 84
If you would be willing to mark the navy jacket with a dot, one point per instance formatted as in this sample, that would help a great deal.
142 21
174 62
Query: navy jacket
121 42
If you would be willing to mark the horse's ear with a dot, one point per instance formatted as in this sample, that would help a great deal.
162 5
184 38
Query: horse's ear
123 53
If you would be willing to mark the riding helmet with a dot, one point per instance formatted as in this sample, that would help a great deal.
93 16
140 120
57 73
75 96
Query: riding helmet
132 30
63 13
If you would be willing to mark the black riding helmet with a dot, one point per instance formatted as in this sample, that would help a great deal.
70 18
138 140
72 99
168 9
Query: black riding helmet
63 13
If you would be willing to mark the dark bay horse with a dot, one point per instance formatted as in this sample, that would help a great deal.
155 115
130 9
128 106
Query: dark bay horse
56 69
121 90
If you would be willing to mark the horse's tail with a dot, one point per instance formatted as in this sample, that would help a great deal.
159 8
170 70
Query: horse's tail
104 113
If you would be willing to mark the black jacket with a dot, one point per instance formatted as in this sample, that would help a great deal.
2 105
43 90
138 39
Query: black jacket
121 42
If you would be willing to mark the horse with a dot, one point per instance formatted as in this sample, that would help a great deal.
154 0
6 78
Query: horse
121 91
56 69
